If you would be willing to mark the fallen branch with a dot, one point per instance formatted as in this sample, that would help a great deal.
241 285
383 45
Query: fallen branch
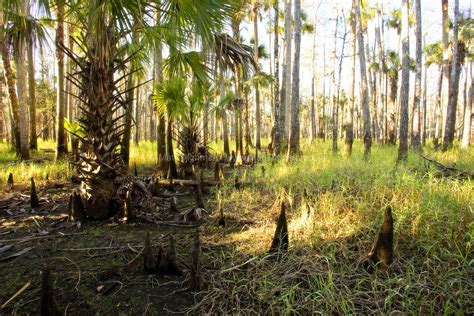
448 171
16 294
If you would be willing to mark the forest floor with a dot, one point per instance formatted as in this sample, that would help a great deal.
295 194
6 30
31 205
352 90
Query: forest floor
98 266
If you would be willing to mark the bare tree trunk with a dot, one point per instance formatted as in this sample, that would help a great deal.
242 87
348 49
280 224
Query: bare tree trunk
425 109
415 140
161 131
285 98
439 110
276 137
450 124
294 145
334 99
365 91
312 131
258 120
350 113
20 59
446 66
60 100
32 93
405 86
466 135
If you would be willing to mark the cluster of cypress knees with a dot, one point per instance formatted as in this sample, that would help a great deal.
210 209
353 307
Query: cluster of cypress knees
157 261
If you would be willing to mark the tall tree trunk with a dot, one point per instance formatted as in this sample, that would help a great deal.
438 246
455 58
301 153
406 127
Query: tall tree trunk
312 130
350 112
405 85
258 120
450 124
60 100
11 85
446 66
294 144
137 113
425 109
21 66
334 98
285 95
161 132
277 128
439 110
365 90
466 134
172 170
225 126
415 140
32 92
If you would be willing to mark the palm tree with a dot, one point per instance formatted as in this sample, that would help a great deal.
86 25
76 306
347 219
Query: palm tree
404 91
294 144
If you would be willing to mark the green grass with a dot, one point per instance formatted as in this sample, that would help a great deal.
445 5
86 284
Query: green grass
330 234
434 230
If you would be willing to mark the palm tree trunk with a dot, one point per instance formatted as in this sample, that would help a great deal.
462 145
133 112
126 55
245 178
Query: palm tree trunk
365 91
294 145
450 124
161 132
172 171
225 127
60 100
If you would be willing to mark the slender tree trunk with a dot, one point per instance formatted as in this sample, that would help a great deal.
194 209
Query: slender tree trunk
60 100
285 96
172 171
11 85
21 66
258 120
425 109
161 132
405 86
446 66
312 131
415 140
450 124
294 144
439 110
225 127
350 113
276 135
365 90
334 99
466 134
32 92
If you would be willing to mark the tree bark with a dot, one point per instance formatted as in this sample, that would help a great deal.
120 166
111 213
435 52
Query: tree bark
294 144
285 95
405 85
32 93
365 91
416 129
450 124
60 100
446 66
466 135
258 120
276 138
350 112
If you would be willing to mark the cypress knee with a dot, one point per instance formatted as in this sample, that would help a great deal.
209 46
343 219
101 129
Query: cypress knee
48 305
76 211
195 275
221 214
382 251
128 207
34 200
10 181
150 260
217 170
198 193
168 264
280 239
